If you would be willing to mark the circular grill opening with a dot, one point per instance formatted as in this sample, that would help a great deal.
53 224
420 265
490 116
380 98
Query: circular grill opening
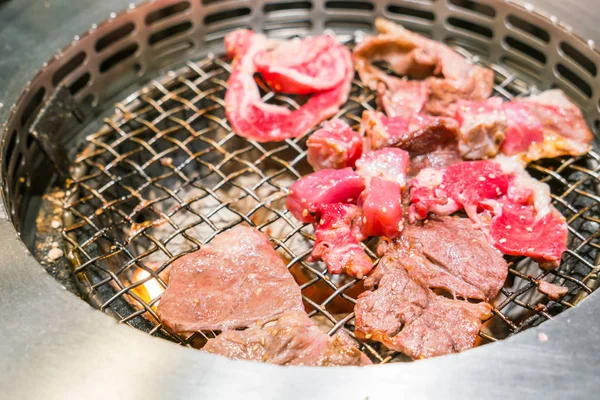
160 173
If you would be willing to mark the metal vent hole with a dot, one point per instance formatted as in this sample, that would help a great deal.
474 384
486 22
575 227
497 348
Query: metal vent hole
528 28
225 15
411 12
32 106
522 67
574 79
167 12
473 6
291 28
350 5
349 24
114 36
525 49
80 83
169 32
471 27
68 67
575 55
118 57
297 5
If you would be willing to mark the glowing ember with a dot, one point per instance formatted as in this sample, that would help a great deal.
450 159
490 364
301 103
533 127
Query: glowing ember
148 290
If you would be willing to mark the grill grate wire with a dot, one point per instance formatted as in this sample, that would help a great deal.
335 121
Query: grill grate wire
166 174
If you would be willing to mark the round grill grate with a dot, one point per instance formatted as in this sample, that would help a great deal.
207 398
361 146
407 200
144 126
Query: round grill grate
165 174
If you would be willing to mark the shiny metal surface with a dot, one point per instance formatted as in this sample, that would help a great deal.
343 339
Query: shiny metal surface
67 350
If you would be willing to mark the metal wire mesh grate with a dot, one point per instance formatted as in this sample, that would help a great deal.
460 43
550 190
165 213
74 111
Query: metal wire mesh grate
165 175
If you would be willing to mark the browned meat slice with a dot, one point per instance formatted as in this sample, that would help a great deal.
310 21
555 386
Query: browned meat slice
446 326
449 77
449 253
234 282
482 127
554 292
405 316
293 339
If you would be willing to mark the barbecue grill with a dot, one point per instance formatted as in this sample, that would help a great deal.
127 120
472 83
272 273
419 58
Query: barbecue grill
117 155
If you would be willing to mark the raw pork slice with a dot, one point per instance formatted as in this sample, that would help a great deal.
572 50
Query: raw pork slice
251 118
326 186
303 66
408 317
482 127
334 146
234 282
338 240
545 126
293 339
381 203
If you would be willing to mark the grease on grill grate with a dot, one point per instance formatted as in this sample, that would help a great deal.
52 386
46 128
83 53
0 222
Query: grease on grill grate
165 174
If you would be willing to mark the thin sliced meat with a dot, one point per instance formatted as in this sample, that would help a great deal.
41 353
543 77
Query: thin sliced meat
303 66
293 339
233 282
389 164
381 204
449 77
334 146
515 230
327 186
251 118
408 317
563 129
457 258
460 186
338 240
482 127
401 97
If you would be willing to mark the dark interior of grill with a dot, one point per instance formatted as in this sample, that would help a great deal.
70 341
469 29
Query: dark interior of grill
156 171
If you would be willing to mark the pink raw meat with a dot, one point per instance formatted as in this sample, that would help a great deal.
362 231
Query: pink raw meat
381 203
323 187
463 185
517 231
390 164
334 146
251 118
523 128
303 66
338 236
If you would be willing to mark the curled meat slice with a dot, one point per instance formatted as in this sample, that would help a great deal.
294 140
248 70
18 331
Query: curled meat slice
334 146
338 240
251 118
381 203
327 186
303 66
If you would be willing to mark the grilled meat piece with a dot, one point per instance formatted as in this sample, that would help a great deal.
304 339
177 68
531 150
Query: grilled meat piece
338 235
327 186
554 292
381 204
389 164
408 317
251 118
293 339
233 282
334 146
448 75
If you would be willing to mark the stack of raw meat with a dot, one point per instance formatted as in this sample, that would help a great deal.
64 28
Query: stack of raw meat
441 146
